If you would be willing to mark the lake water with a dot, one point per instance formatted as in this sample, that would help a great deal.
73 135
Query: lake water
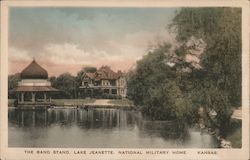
96 128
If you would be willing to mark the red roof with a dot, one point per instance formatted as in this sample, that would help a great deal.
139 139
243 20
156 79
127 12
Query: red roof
105 72
34 71
91 75
120 73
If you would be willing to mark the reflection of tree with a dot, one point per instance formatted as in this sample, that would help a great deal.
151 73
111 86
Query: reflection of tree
91 118
175 130
104 119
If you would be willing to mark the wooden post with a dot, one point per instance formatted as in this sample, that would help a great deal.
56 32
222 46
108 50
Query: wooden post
18 97
22 97
33 95
45 97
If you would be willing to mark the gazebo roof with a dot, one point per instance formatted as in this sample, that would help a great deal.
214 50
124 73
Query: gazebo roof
34 89
34 71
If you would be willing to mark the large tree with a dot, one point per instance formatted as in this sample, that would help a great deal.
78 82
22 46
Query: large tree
217 83
220 29
169 85
153 86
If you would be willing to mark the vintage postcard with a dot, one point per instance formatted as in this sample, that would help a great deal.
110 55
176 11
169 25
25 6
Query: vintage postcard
125 80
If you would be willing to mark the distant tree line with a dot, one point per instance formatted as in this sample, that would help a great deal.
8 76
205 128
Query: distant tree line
12 83
66 83
165 85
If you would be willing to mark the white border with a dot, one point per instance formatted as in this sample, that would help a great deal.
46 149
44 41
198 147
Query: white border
228 154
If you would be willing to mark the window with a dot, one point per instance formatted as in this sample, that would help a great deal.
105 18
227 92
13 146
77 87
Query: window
114 91
86 84
106 91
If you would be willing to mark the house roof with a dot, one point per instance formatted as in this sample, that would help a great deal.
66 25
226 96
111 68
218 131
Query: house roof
34 71
120 73
105 72
91 75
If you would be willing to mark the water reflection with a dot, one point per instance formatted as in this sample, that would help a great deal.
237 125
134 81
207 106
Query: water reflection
92 118
97 128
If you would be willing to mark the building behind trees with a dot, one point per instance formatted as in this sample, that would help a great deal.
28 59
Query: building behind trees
103 83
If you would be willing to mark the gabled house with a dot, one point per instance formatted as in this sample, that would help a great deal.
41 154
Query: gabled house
104 82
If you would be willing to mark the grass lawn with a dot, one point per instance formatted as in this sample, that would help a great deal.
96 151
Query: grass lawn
61 102
72 101
121 102
75 102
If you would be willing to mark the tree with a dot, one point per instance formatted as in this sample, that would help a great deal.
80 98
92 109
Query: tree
89 69
79 77
13 80
220 29
12 83
66 83
153 85
217 84
213 82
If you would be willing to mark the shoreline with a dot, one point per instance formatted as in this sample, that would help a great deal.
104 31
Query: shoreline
77 103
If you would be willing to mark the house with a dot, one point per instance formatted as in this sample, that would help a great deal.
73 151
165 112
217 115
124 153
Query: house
104 83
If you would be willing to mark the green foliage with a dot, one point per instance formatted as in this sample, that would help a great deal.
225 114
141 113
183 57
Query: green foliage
235 134
13 80
214 100
80 76
217 85
154 86
220 28
12 83
89 69
178 91
66 83
197 22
